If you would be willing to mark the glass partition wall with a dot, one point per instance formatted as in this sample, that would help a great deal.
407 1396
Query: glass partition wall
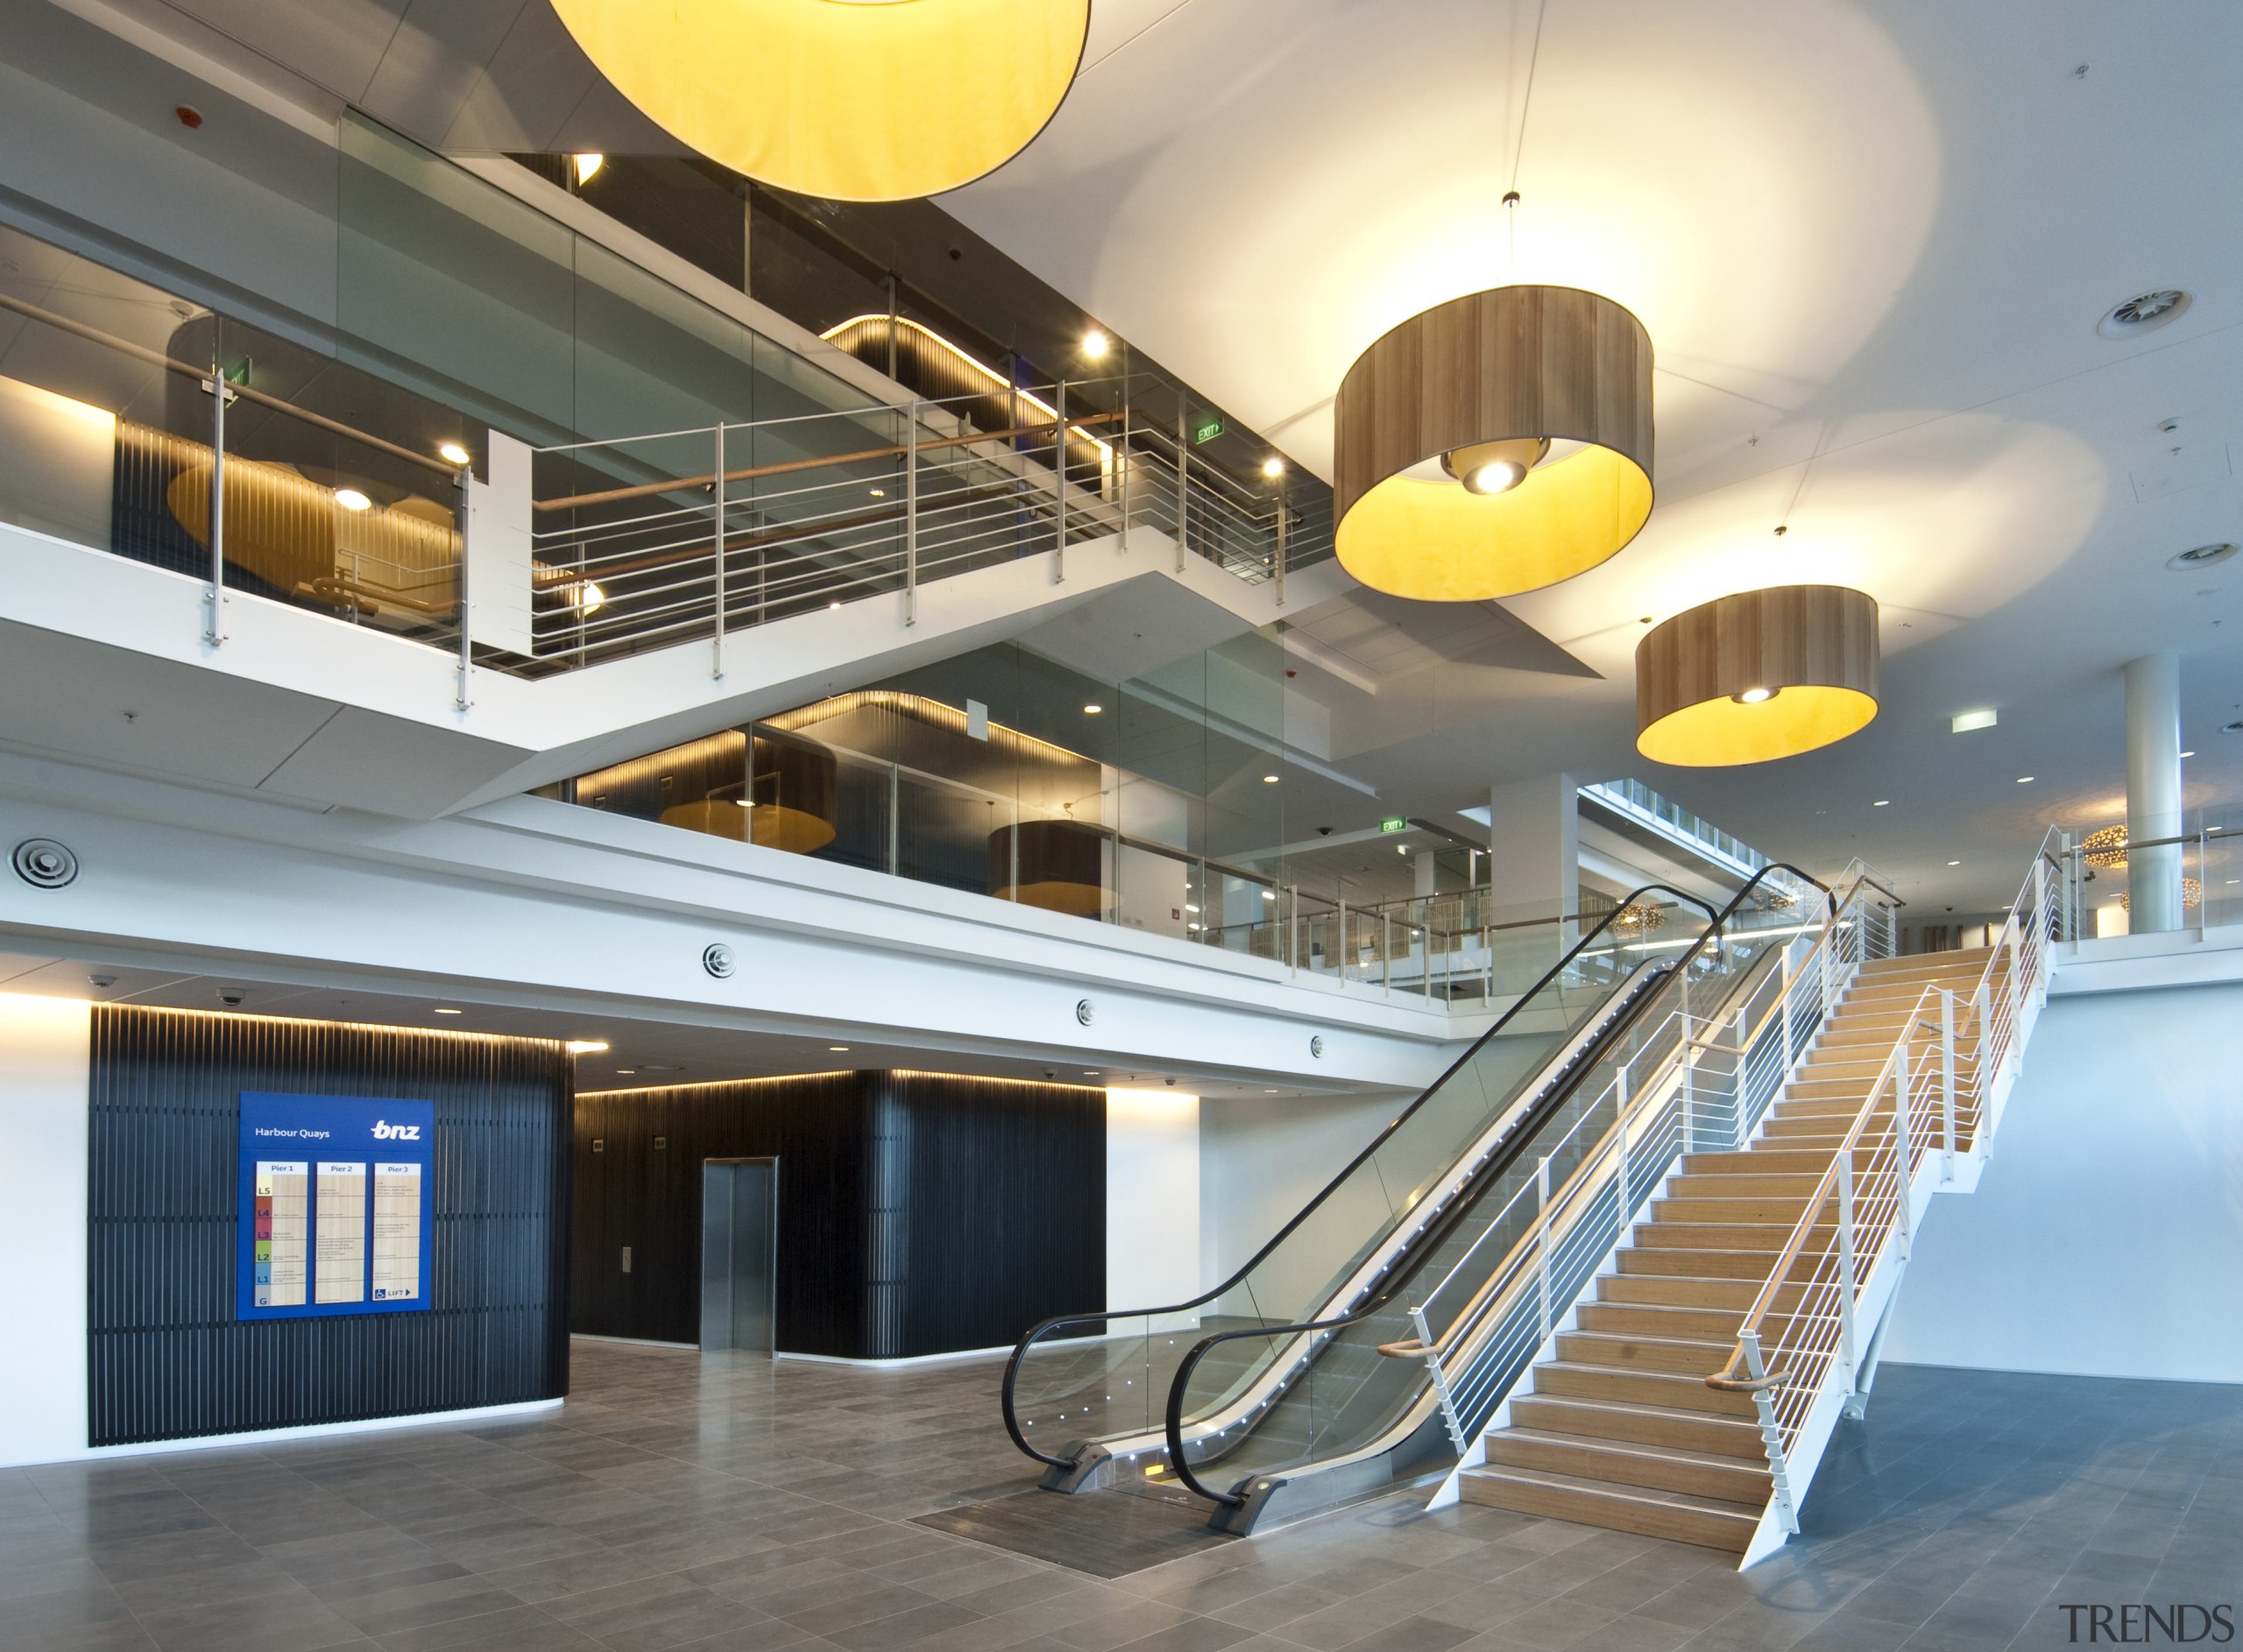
1169 802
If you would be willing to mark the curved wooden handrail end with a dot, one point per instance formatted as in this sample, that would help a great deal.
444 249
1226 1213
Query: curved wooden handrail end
1412 1350
1745 1385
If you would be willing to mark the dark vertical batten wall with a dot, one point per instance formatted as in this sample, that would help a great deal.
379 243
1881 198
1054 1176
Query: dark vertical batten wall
919 1212
168 1360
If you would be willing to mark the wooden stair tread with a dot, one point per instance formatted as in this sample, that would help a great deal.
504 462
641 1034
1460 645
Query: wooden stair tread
1706 1521
1677 1454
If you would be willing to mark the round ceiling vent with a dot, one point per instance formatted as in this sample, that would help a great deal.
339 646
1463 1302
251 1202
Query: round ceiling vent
2232 728
2144 312
2202 556
45 864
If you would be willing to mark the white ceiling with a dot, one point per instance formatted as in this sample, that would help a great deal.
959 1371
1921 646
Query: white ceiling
1870 241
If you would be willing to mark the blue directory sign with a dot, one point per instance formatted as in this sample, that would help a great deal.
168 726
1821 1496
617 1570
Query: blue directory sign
337 1196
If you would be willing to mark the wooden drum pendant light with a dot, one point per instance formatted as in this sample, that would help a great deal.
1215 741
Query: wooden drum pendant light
1495 444
851 100
1757 676
792 781
1057 865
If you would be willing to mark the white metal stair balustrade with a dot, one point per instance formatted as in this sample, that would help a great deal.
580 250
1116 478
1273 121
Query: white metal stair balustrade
1924 1127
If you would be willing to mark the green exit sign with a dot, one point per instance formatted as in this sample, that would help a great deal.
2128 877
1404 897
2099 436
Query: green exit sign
1207 430
1397 824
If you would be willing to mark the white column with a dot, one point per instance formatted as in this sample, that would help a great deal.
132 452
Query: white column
1427 871
2153 792
45 1066
1534 846
1152 1197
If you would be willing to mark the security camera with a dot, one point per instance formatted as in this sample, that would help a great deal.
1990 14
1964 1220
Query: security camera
955 251
1323 831
1169 1080
1051 1072
231 996
102 982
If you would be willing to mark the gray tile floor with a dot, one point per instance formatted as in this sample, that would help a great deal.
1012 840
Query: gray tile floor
725 1503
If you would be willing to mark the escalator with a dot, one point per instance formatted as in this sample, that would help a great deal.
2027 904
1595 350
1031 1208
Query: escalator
1268 1394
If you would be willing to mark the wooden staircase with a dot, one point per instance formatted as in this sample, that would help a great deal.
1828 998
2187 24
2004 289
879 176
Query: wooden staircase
1620 1430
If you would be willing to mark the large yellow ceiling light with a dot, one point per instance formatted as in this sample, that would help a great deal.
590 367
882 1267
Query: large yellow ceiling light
1759 675
1495 444
851 100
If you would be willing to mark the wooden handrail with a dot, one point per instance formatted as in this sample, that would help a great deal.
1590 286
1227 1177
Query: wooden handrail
157 358
896 450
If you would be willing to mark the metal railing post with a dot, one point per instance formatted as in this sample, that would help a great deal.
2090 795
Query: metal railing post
1122 449
1947 1079
2015 992
1771 1433
1386 950
1183 472
1440 1381
213 594
1284 515
461 699
894 819
717 551
2203 871
1981 1074
1627 1205
1846 1269
1783 1008
1060 474
911 514
1542 1237
1903 1169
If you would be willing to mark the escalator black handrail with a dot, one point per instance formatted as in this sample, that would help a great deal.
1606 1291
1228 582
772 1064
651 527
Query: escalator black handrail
1507 1155
1034 1332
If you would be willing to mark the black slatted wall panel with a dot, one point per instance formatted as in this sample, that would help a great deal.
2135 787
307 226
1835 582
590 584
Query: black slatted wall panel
917 1214
989 1208
168 1359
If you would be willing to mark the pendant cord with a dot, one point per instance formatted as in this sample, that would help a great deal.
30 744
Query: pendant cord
1519 145
1526 104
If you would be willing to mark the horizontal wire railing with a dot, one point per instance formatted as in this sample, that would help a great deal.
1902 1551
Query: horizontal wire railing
647 539
1931 1098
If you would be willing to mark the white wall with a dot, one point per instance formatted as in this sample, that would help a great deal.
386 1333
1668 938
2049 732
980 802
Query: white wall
1262 1157
45 1067
2107 1234
1152 1197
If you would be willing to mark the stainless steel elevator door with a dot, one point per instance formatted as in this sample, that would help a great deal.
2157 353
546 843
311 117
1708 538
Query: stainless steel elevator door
739 1225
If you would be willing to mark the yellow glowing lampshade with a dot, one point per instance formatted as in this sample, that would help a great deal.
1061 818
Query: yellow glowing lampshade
845 99
1758 675
1495 444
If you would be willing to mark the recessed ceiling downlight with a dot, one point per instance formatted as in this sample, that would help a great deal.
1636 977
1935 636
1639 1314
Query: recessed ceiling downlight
2143 312
2201 556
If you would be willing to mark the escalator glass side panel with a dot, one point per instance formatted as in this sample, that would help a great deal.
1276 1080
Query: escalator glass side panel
1105 1379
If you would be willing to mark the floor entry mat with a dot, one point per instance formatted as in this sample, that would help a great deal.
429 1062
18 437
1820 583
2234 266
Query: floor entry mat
1108 1534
